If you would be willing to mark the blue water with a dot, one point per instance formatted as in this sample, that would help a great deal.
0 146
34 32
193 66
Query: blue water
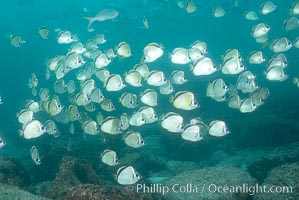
170 26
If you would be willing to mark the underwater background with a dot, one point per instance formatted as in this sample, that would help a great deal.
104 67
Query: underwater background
262 147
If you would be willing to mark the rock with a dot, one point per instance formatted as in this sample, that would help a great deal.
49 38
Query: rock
13 173
96 192
177 167
279 156
200 184
71 173
9 192
284 179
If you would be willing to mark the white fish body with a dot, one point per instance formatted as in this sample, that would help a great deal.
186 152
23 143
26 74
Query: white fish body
294 9
218 12
195 54
178 77
256 57
96 95
65 37
128 100
54 107
2 143
88 86
71 87
156 78
204 66
247 105
127 176
51 128
219 88
134 139
234 101
44 94
218 128
124 50
142 68
167 88
114 83
180 56
33 129
149 97
251 15
264 93
107 105
202 46
90 127
35 155
232 66
185 100
172 122
78 48
291 24
109 157
102 75
152 52
232 53
193 133
260 30
82 99
149 114
133 78
111 125
276 73
278 60
124 120
16 41
281 45
137 119
268 7
102 61
25 116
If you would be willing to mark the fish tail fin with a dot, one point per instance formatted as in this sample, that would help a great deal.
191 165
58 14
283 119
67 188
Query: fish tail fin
90 20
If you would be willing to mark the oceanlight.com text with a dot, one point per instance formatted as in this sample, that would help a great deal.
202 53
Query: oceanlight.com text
209 188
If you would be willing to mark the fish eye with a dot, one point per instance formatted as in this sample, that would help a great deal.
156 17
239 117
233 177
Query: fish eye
226 130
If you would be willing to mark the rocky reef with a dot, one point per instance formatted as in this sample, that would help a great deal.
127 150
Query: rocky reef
284 181
8 192
71 173
13 173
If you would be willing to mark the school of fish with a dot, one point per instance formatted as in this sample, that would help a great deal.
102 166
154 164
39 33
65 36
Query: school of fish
83 76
